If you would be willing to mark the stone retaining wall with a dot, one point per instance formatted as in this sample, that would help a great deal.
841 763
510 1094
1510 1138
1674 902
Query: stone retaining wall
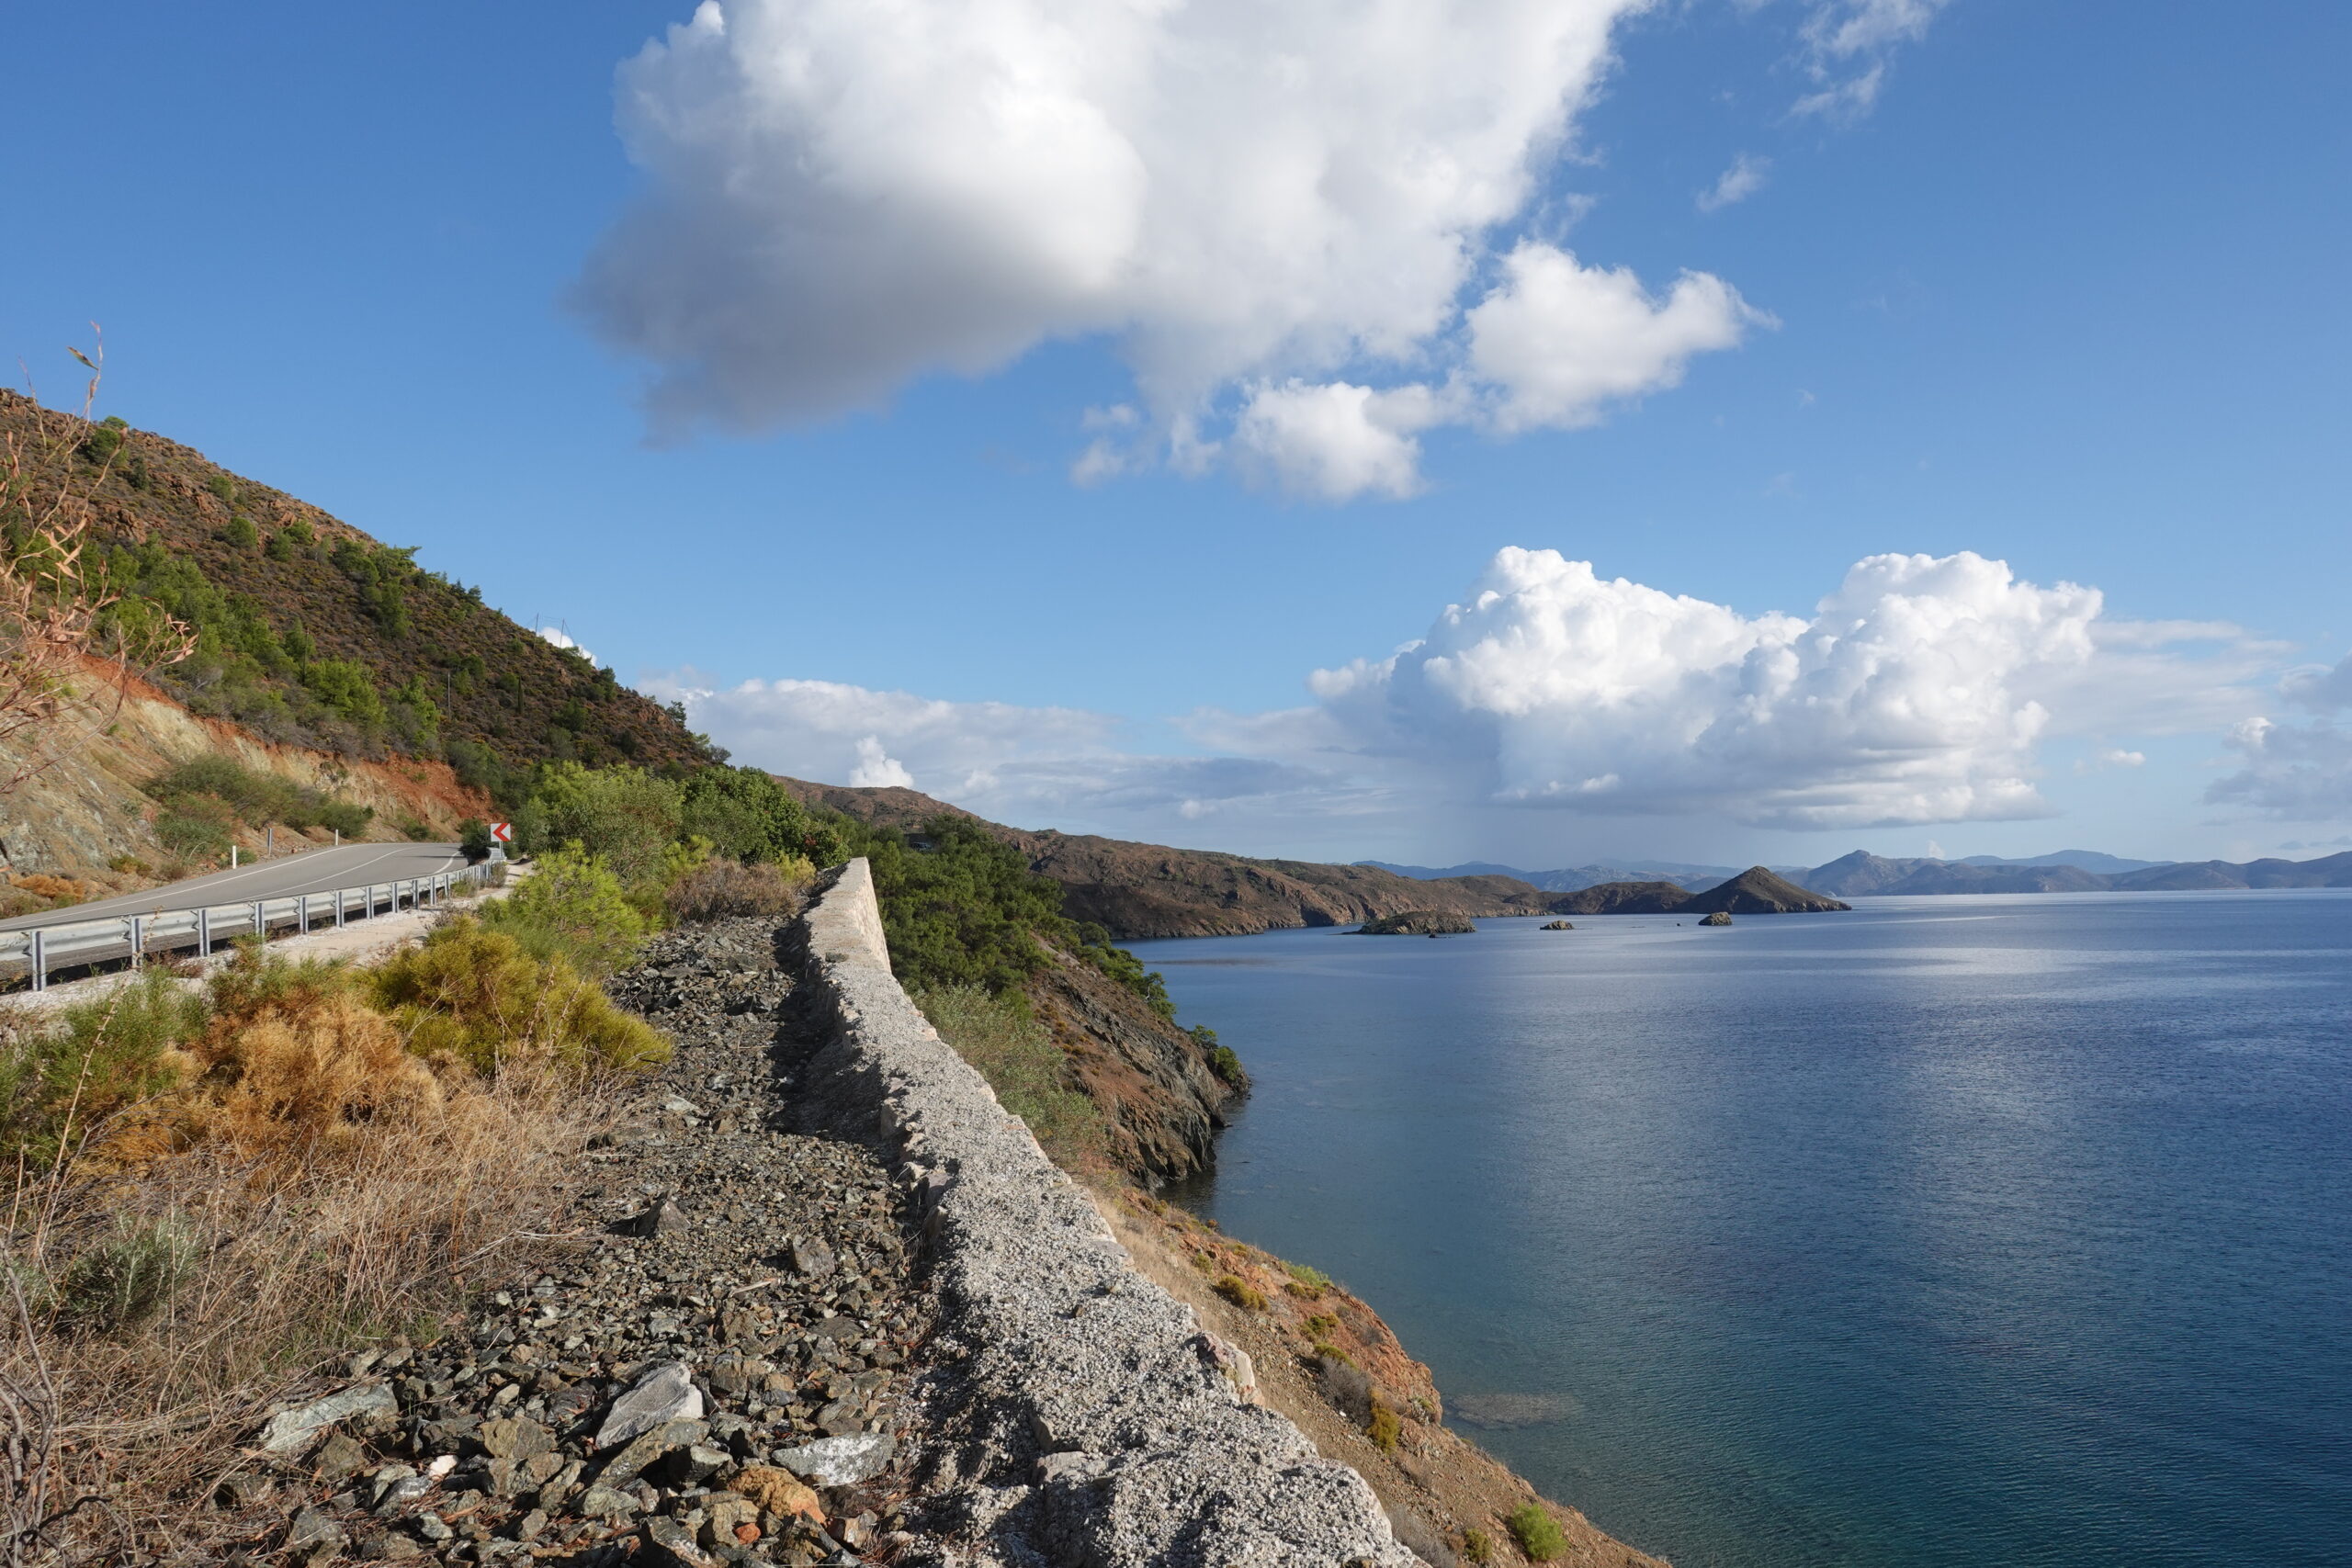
1075 1413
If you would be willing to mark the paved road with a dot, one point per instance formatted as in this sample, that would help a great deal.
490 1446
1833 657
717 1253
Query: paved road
314 870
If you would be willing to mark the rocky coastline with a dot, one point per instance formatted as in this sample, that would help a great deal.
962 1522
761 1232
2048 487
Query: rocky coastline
826 1303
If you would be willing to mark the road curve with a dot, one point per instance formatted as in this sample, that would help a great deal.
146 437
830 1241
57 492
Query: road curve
313 870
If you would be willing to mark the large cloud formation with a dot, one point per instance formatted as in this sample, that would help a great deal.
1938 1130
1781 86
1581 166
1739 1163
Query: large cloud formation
1921 690
1911 695
1303 223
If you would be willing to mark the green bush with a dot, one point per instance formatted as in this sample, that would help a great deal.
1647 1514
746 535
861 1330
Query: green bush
749 816
242 533
1385 1428
347 689
571 906
1477 1546
1307 1282
474 840
1011 1049
222 486
1240 1293
625 815
474 995
195 830
93 1060
103 442
346 818
1538 1533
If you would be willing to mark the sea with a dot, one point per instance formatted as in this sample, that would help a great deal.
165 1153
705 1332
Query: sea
1985 1231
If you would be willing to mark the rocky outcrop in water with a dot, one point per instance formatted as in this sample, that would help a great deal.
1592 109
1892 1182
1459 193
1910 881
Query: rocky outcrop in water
1757 891
1417 922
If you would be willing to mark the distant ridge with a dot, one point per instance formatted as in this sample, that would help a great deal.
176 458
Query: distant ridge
1691 879
1862 875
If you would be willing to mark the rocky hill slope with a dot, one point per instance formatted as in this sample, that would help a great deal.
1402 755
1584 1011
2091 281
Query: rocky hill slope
313 632
1136 890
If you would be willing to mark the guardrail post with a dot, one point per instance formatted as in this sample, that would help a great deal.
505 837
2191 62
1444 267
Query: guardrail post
342 896
39 960
260 929
204 933
138 940
302 915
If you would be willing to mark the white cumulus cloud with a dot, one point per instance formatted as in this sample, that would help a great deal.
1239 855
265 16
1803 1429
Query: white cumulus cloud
1917 691
1269 209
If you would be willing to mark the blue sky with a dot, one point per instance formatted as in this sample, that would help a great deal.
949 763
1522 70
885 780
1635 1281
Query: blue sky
2065 293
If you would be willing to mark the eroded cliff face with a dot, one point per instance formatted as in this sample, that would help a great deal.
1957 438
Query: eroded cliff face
79 817
1163 1103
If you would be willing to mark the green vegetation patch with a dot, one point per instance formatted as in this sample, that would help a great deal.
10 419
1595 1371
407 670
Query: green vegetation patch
997 1034
1538 1533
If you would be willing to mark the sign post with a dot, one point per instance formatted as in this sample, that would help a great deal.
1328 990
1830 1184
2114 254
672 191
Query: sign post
501 835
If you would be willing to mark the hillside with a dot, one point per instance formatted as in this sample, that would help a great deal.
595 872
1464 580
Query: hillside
1137 891
1759 891
313 633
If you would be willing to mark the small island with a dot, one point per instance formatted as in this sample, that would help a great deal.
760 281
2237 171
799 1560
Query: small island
1555 926
1720 918
1416 922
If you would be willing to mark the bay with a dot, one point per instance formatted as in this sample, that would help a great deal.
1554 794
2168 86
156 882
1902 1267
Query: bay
1984 1230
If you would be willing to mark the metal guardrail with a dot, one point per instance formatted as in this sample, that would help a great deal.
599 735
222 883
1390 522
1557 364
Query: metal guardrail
203 928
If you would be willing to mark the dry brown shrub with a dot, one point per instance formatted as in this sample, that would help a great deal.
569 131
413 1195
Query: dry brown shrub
721 888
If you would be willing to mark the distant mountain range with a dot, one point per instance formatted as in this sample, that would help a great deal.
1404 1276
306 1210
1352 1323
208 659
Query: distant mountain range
1575 879
1862 875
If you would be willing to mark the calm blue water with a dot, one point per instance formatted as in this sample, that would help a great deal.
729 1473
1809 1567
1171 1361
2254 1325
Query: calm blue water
1950 1231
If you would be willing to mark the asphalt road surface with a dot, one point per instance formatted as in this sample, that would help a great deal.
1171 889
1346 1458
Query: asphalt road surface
313 870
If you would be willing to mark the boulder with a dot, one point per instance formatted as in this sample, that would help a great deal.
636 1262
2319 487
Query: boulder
839 1461
291 1431
663 1392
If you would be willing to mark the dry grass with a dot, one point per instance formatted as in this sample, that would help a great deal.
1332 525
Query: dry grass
721 888
163 1308
290 1181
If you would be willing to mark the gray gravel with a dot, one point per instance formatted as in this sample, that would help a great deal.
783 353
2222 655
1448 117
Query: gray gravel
741 1319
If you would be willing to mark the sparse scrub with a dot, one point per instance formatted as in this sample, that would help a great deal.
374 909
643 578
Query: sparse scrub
1385 1428
205 799
1306 1283
1477 1546
94 1062
723 887
1240 1293
1322 1325
472 995
1538 1533
1009 1048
